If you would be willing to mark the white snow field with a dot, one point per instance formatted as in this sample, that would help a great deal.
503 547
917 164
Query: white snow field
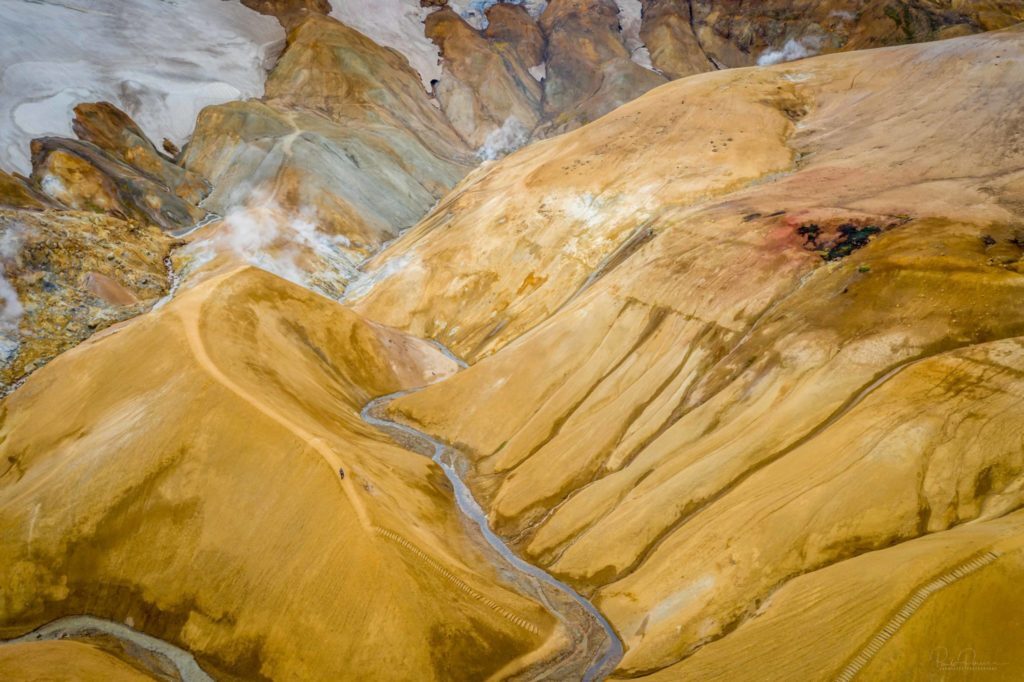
159 60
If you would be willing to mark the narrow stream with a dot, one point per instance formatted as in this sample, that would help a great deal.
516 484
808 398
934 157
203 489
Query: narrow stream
610 652
602 653
84 627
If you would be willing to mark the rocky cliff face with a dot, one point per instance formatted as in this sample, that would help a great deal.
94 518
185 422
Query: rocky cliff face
110 129
589 71
734 33
345 138
669 33
594 55
486 85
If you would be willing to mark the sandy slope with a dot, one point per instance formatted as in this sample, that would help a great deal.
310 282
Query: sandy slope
64 661
182 471
752 330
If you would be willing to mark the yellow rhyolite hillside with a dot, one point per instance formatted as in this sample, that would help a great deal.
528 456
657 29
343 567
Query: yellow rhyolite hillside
748 359
745 357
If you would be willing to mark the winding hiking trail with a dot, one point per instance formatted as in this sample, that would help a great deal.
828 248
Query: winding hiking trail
596 656
190 315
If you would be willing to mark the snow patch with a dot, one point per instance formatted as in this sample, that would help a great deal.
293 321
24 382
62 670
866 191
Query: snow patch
397 24
629 20
509 137
161 62
474 11
539 72
642 56
793 49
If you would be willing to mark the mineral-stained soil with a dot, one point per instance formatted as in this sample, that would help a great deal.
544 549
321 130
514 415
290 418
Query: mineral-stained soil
743 353
740 346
